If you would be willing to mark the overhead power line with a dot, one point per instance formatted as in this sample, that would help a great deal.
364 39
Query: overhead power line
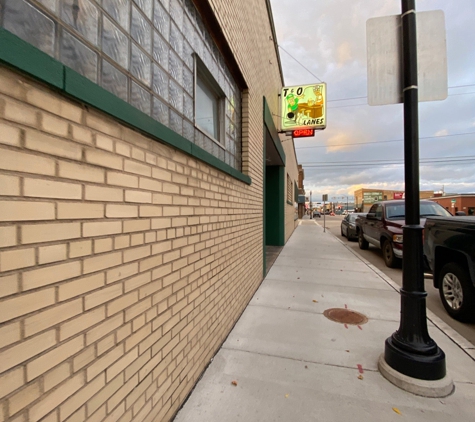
394 160
384 142
366 104
309 71
361 98
378 164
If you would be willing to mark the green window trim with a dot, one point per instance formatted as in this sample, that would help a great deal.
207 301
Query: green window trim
16 53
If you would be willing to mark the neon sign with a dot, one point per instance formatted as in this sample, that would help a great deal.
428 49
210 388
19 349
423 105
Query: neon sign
303 107
303 133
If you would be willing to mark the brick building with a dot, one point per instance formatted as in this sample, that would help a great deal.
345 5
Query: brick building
141 177
457 202
364 198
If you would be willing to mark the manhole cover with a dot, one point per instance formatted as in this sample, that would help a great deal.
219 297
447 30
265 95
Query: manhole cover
345 316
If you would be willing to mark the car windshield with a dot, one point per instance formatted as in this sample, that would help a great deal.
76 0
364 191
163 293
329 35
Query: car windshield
397 211
353 217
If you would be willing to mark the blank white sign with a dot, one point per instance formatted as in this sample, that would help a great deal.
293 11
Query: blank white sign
384 49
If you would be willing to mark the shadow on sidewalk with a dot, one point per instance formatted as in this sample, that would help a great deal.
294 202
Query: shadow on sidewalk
272 252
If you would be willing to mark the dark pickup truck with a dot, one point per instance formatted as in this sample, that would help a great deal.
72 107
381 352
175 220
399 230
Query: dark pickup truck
449 252
382 226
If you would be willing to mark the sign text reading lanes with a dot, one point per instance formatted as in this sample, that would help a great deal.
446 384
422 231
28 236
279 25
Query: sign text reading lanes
303 107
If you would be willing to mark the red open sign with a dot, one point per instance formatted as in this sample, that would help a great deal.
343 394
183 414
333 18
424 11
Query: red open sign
303 133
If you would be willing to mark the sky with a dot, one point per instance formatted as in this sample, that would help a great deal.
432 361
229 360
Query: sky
362 146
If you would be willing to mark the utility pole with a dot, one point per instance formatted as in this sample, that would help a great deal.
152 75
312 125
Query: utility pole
410 350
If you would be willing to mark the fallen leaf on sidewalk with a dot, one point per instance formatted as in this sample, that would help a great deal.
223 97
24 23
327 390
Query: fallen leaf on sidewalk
360 377
234 383
306 367
347 351
397 410
316 301
286 396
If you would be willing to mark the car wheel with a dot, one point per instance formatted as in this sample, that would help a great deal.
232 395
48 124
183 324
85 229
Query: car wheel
362 242
388 254
457 292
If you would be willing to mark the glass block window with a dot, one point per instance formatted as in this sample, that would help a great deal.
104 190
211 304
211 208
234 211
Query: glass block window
144 52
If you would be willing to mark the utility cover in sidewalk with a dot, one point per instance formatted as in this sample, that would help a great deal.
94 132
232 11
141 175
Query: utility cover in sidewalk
345 316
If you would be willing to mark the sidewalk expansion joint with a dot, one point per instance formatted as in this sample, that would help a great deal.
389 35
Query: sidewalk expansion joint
315 313
330 285
298 360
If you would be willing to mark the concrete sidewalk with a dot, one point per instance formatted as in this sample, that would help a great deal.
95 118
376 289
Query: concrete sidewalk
292 364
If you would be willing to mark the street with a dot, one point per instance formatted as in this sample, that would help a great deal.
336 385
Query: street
374 256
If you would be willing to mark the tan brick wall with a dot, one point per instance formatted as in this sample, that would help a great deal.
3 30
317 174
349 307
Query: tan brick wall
123 262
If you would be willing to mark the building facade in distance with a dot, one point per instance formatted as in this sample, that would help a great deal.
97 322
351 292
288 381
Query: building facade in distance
364 198
453 203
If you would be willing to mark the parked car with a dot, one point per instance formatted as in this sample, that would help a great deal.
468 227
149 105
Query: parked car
316 214
382 226
348 225
449 252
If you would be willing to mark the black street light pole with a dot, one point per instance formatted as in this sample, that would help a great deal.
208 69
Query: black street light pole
410 350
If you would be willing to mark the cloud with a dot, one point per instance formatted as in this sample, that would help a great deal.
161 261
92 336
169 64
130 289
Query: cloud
344 54
329 38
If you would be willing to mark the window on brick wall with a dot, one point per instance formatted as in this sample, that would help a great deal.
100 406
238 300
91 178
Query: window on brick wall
289 189
143 52
209 103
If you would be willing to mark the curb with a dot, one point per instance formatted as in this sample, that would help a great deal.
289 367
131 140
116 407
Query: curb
453 335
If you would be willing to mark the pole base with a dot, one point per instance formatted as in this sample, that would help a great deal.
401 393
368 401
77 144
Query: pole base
434 388
423 366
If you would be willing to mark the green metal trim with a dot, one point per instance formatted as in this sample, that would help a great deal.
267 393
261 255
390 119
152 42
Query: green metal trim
90 93
269 122
23 56
210 159
275 201
282 192
264 202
